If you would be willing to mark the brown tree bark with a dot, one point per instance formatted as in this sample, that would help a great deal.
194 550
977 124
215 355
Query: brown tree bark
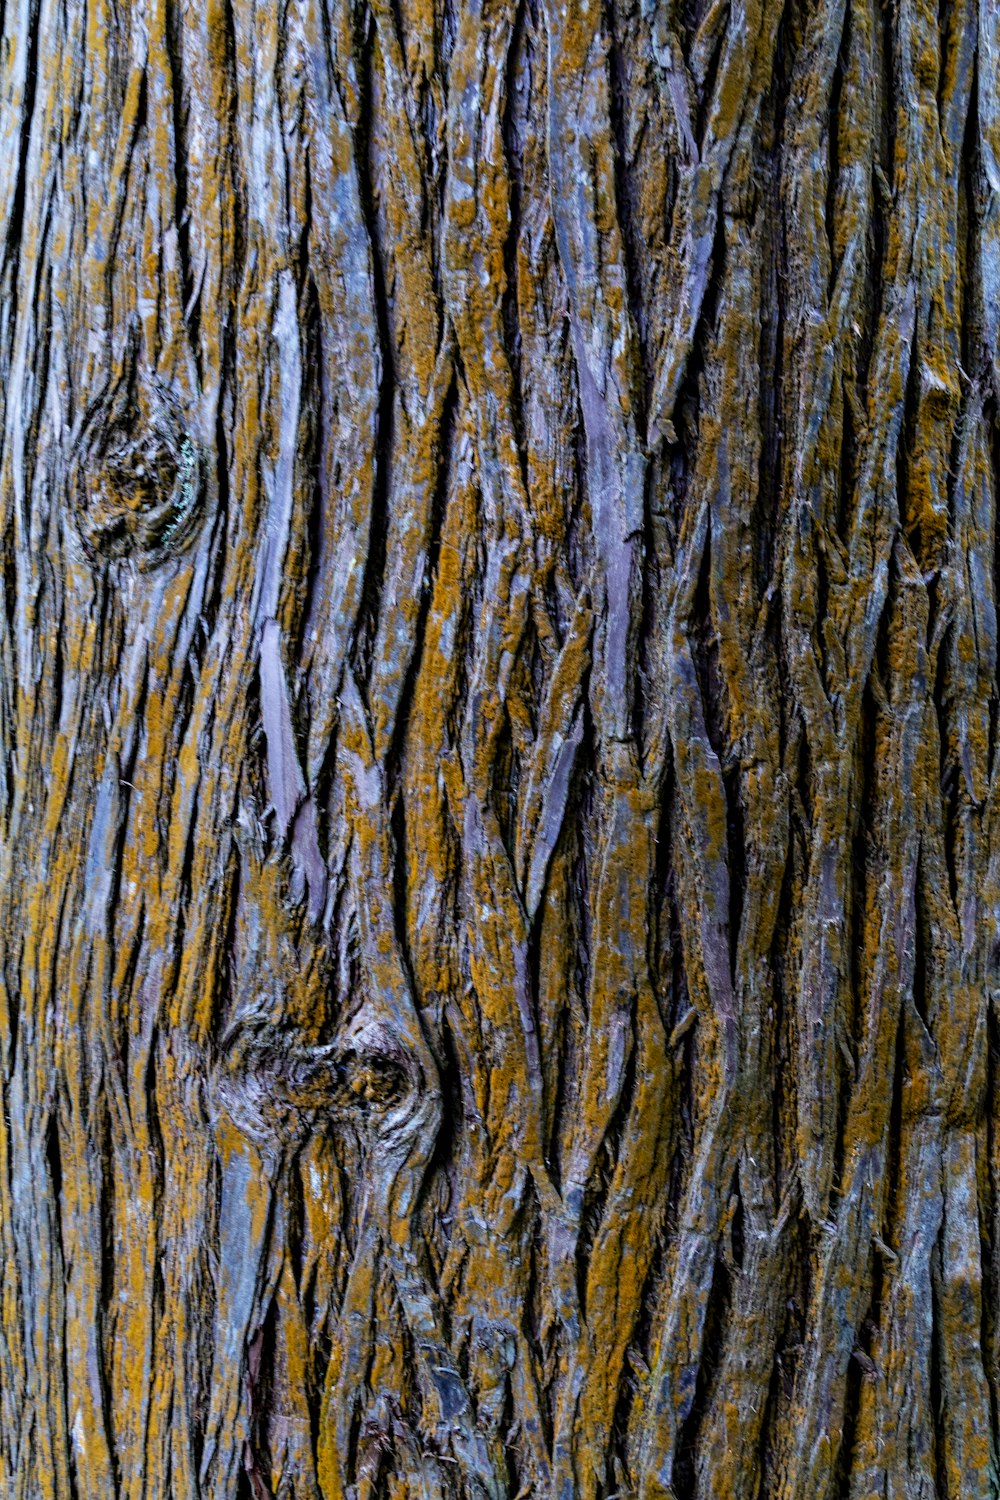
499 846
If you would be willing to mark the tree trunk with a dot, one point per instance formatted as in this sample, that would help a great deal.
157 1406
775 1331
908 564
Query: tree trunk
499 793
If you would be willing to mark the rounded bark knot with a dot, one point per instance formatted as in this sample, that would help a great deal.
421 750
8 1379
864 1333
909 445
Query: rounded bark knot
383 1079
138 481
271 1082
377 1082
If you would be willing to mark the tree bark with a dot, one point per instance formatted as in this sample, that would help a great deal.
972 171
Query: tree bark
499 843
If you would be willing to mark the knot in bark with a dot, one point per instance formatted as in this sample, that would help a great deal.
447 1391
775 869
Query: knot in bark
375 1081
138 475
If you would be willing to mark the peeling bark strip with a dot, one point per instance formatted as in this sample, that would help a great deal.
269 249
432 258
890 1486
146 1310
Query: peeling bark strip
499 793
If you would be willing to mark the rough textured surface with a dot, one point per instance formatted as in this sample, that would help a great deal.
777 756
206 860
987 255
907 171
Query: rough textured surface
499 844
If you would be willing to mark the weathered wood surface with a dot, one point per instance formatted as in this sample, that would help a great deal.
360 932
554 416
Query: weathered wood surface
499 885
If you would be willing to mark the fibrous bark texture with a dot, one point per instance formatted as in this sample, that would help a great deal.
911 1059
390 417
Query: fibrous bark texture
499 844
